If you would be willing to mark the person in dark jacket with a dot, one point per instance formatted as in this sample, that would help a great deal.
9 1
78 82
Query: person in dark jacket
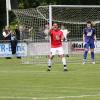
13 42
6 36
17 31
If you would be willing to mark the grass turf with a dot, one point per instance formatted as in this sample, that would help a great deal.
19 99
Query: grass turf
32 82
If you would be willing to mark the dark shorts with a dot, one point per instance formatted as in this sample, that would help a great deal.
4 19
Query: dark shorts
89 45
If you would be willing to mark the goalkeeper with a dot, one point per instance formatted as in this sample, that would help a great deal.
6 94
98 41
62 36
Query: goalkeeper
56 46
89 37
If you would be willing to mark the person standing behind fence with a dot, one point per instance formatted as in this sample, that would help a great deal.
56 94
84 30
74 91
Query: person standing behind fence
10 37
6 34
25 33
13 42
17 31
65 32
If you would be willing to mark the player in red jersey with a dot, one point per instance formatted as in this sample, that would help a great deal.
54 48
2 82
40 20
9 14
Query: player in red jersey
56 46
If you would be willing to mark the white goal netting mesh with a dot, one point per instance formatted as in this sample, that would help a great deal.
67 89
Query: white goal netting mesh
72 18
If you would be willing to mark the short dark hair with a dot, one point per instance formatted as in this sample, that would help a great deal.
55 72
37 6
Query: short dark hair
88 22
55 23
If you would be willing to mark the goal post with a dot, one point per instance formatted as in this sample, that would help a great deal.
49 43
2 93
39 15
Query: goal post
72 17
50 16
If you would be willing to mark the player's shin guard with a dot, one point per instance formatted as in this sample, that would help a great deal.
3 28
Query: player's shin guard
64 62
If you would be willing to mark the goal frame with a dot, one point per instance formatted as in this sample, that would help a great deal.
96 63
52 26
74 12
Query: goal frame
69 6
50 19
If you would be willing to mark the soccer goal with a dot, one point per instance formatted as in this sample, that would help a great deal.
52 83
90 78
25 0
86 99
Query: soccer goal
40 19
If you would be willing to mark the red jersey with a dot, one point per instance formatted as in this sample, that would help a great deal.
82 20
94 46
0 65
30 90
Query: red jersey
56 37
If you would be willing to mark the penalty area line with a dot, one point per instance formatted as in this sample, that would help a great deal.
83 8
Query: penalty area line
46 98
26 71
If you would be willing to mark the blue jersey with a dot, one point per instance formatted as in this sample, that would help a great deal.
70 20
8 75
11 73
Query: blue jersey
89 34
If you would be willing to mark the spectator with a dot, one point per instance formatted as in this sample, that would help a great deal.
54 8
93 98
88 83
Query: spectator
25 32
17 31
13 42
22 33
6 34
65 32
9 36
46 30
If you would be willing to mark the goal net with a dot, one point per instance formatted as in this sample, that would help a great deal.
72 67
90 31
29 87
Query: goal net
72 18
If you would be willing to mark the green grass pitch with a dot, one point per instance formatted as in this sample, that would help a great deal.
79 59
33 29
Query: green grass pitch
33 82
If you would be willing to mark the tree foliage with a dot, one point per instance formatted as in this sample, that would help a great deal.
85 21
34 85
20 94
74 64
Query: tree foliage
34 3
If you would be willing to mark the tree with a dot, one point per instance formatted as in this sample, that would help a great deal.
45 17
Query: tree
90 2
34 3
2 15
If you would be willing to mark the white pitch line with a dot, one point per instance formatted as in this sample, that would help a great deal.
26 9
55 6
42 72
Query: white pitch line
83 88
25 88
46 98
26 71
19 71
12 97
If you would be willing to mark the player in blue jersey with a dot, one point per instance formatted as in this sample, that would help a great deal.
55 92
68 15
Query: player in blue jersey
89 37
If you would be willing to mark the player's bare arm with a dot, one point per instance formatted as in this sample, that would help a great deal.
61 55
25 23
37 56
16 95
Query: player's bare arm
49 32
83 37
95 37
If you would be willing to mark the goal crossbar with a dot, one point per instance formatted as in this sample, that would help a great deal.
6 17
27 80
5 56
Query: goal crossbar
77 6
